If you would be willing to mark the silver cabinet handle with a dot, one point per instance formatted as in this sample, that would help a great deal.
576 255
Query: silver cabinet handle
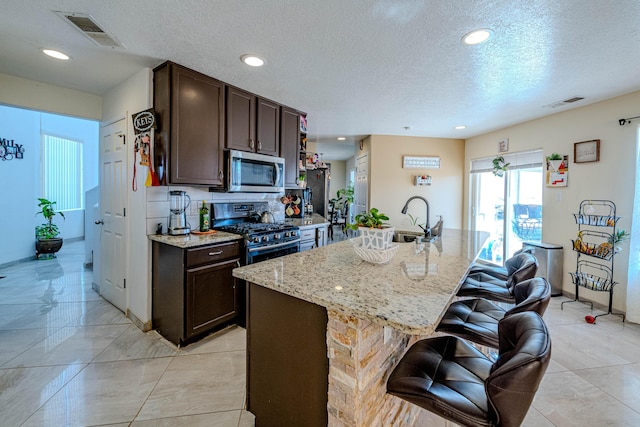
220 175
259 145
238 262
100 222
215 253
251 144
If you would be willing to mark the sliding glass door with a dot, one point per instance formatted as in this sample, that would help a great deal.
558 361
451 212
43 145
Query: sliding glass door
508 207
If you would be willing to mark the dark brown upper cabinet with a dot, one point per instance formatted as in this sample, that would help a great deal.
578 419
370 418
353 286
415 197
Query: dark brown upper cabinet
290 145
189 140
253 123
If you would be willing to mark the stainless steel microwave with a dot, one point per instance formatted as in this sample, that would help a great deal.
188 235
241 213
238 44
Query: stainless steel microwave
254 173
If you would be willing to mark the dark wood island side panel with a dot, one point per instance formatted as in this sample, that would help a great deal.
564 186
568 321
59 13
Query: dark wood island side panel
287 364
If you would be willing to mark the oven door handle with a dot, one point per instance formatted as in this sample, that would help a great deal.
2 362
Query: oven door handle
278 245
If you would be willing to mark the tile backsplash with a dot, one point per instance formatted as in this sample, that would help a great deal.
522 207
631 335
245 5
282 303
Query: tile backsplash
158 204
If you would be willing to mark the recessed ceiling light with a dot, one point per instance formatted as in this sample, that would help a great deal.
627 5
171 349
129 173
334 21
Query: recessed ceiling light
252 60
477 36
460 127
341 138
55 54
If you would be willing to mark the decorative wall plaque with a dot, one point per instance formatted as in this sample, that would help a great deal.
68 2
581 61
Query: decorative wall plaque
9 150
416 162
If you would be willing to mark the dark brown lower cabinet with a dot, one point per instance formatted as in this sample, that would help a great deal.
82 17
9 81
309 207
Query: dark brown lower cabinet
194 290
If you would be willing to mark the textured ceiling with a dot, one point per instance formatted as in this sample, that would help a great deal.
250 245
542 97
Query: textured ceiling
356 67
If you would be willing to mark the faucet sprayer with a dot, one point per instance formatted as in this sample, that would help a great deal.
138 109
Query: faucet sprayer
426 228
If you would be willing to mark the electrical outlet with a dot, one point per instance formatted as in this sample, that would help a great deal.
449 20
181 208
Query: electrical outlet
194 209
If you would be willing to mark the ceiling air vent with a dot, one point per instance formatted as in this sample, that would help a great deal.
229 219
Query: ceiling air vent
88 26
565 102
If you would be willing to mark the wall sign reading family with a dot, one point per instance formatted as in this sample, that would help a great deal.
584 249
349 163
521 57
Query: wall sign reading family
9 150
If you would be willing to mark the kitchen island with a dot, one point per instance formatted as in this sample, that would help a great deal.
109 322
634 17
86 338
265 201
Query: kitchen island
325 328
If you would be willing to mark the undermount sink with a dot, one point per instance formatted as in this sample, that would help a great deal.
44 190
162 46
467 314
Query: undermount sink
406 236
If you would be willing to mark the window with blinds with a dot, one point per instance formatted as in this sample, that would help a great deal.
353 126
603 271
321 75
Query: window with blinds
523 160
61 172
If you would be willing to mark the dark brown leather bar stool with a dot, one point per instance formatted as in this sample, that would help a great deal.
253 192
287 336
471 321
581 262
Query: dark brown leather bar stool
486 286
477 319
451 378
497 271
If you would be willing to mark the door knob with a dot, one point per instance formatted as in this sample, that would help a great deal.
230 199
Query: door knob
100 222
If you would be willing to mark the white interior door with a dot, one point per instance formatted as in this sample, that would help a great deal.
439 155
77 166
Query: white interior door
113 198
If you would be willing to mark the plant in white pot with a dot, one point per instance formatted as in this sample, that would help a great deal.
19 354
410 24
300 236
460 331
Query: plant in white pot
47 240
555 160
374 232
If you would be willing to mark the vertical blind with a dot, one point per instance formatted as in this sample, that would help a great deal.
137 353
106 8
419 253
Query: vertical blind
61 171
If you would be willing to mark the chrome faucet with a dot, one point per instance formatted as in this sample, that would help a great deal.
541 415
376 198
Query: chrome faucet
426 228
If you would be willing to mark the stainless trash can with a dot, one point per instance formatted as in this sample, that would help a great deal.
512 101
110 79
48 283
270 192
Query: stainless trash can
550 258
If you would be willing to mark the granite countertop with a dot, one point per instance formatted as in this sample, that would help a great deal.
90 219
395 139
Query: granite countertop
194 240
315 220
409 293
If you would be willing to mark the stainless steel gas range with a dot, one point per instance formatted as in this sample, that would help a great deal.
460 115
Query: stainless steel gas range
262 241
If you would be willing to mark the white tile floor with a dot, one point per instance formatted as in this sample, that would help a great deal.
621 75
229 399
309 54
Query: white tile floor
68 358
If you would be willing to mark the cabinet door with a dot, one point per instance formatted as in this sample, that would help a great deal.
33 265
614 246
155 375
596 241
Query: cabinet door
241 120
290 145
211 296
322 236
268 127
307 246
197 128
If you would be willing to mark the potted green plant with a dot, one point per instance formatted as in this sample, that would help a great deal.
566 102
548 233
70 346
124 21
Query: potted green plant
555 160
343 196
346 194
499 166
375 233
47 240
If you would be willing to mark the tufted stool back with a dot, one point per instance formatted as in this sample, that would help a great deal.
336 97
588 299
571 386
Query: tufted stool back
451 378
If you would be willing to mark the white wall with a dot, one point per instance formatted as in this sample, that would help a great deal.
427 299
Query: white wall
338 177
612 178
131 96
45 97
23 180
20 185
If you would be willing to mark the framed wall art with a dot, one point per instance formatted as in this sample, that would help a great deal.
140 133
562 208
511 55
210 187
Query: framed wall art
557 172
586 151
503 146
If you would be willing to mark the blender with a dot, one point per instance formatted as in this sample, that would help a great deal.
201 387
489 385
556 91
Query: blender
179 201
306 195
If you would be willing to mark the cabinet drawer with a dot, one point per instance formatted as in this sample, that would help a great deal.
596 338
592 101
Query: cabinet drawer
307 234
213 253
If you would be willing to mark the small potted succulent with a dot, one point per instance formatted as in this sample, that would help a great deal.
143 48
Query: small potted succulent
47 240
375 233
